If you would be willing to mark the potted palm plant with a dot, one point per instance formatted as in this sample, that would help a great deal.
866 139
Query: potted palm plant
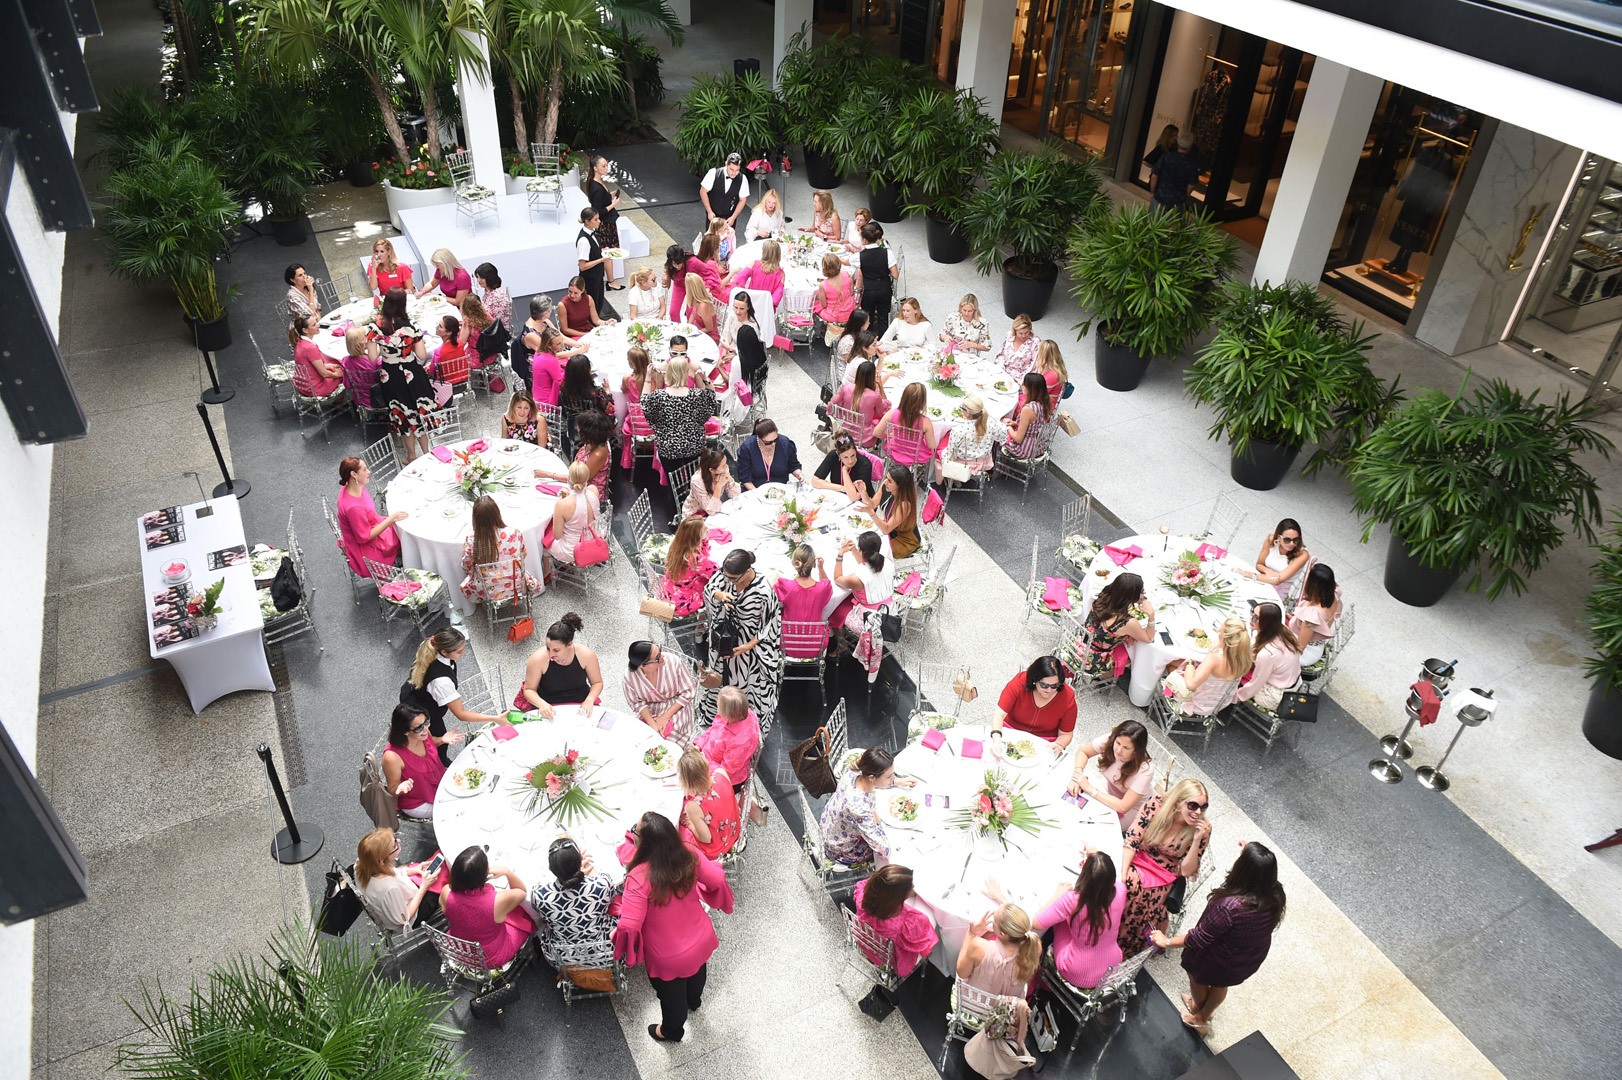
167 218
860 135
1490 480
1150 282
1602 720
812 82
1019 220
726 114
941 140
1284 369
280 158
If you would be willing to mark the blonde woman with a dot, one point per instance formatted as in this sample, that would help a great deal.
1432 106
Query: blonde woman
824 218
1201 689
449 277
575 512
970 442
1167 841
710 821
646 299
966 329
1018 352
1004 965
700 309
386 271
910 331
766 219
1050 365
765 275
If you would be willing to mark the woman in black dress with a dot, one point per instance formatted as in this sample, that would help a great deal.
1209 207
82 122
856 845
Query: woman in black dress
606 204
560 672
401 379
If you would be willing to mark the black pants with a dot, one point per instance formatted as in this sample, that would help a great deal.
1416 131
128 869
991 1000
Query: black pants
595 283
676 998
878 312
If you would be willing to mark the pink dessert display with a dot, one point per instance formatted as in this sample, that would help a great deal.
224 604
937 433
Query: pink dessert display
176 570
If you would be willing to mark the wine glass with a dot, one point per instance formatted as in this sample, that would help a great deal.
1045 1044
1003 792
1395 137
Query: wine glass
1165 538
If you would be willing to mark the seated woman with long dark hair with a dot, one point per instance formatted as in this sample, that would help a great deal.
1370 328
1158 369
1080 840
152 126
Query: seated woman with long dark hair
1277 665
1317 616
1124 763
1112 622
881 903
412 768
1085 918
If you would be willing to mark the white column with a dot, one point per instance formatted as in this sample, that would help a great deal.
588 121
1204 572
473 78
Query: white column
1328 141
788 16
683 10
982 61
480 131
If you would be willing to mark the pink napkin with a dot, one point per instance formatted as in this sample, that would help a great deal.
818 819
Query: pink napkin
712 426
398 590
1122 556
1210 551
549 488
341 329
477 446
719 536
933 740
911 584
443 453
972 748
1057 596
504 732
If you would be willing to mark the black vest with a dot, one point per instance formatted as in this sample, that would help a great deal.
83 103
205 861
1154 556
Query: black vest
875 265
596 253
440 668
724 192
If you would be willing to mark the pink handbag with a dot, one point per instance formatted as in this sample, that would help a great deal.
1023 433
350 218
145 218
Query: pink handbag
591 548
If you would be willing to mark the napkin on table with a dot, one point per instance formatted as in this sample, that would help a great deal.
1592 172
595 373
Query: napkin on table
1210 551
972 748
547 487
477 446
443 453
504 732
720 536
911 584
933 739
1057 596
1122 556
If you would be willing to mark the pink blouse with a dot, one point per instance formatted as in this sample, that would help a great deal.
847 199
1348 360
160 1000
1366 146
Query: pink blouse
871 410
730 745
307 358
804 605
769 281
427 770
357 517
834 305
472 915
686 591
1082 964
546 378
914 935
460 281
674 939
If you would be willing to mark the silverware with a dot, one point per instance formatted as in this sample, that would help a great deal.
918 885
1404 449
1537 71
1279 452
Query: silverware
961 874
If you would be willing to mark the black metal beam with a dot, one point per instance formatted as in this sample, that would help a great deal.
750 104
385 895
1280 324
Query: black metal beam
29 108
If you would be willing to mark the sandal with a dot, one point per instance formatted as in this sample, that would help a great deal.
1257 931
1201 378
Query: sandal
1200 1027
1188 1002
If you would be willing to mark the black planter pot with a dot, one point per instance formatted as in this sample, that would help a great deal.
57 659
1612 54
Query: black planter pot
1024 295
885 202
946 244
1602 720
1411 581
1263 466
360 174
1118 367
821 171
289 232
212 336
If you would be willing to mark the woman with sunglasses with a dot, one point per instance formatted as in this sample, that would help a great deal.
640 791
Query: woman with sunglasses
1039 702
1166 843
1283 557
573 908
768 457
412 768
740 599
661 691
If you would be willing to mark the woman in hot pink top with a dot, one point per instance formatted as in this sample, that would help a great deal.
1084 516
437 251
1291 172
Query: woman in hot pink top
449 276
367 534
663 925
476 910
881 902
730 742
909 417
765 275
546 372
803 599
1085 919
314 375
864 395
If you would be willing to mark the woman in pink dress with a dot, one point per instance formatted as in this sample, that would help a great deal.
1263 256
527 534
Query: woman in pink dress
313 374
367 535
1018 352
687 567
546 370
765 275
731 742
386 271
412 768
1050 365
661 691
908 416
1085 918
663 925
475 910
360 369
864 396
574 514
834 299
881 903
804 600
709 810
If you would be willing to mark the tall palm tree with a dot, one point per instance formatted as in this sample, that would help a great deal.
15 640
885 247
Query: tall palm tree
428 39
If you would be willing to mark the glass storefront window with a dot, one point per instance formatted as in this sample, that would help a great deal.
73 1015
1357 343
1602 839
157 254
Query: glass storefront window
1084 42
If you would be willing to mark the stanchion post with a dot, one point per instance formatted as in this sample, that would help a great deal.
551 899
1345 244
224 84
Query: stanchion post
296 843
238 487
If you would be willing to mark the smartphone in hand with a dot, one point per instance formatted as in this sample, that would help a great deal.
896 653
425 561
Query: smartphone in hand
432 866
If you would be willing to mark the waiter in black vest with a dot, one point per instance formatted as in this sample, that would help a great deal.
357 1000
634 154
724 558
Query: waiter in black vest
724 192
589 258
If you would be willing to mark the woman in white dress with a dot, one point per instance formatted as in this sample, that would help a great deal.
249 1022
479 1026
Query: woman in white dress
870 577
910 331
766 219
646 298
574 513
1283 558
728 382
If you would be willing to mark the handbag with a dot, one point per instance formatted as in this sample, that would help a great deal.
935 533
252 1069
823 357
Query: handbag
1045 1027
285 590
521 630
965 690
725 637
495 340
340 907
890 627
996 1059
442 392
955 470
591 548
595 980
1069 388
878 1004
663 610
811 766
1068 425
494 1002
1294 705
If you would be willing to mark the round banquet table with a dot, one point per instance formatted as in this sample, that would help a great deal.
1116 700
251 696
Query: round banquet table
998 389
802 272
425 316
1176 616
751 517
497 815
607 346
441 517
950 870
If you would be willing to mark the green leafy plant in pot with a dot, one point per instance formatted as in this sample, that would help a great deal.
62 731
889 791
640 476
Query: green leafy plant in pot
861 136
1284 369
726 114
1018 222
941 141
812 82
1149 280
1602 719
167 218
1489 480
267 142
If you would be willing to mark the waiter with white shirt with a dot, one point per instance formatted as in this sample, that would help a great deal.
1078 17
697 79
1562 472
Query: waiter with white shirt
724 192
590 260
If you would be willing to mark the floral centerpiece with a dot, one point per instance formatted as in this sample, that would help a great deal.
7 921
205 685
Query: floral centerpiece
204 608
943 374
794 525
997 806
644 332
1191 580
421 173
475 476
561 790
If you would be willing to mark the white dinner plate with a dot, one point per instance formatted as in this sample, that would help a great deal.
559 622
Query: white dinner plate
460 784
1032 755
885 805
667 766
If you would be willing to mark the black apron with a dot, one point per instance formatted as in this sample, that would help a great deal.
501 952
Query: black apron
594 277
724 193
877 289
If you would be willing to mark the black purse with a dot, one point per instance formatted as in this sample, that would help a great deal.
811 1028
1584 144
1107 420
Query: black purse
495 340
725 637
340 907
495 1001
1294 705
285 588
890 627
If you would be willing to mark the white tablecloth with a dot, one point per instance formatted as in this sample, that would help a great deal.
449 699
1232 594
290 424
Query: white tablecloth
607 346
497 815
801 273
231 656
998 389
425 316
950 871
1175 616
751 518
441 517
